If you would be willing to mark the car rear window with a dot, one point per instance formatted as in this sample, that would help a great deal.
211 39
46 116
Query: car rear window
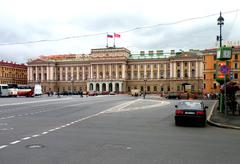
190 105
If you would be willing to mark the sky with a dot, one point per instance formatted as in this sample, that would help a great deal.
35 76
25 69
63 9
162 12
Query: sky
30 28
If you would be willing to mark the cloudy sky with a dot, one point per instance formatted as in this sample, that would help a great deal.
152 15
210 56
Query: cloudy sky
29 28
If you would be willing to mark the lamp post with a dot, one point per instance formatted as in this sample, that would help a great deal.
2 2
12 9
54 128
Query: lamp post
219 38
72 81
220 23
144 94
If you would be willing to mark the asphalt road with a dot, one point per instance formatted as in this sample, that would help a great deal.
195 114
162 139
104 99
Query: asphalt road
107 130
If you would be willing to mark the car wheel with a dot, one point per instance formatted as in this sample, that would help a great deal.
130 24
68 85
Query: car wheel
177 123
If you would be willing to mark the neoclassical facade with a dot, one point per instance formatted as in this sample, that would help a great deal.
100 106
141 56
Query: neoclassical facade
116 69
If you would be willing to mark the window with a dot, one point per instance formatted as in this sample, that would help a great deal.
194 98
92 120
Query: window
204 76
236 65
235 75
178 64
178 73
214 76
148 88
155 88
236 57
214 86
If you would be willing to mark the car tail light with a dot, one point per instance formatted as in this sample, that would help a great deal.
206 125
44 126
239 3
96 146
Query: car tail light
200 113
179 112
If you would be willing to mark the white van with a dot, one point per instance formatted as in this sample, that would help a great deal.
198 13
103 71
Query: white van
37 90
4 90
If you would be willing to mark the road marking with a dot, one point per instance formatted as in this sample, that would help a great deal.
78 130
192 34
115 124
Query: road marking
15 142
32 102
3 146
121 106
44 133
36 135
26 138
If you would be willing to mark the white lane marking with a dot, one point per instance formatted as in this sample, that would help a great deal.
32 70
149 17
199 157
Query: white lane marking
76 121
32 102
51 130
44 133
3 146
36 135
6 129
26 138
15 142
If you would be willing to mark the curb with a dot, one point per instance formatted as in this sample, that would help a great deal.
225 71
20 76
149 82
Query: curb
212 123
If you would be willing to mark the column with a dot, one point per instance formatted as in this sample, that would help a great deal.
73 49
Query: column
42 74
151 67
51 73
120 87
158 71
171 70
174 70
132 72
182 70
100 87
36 72
138 72
94 86
88 86
83 73
189 70
66 74
110 71
61 74
71 73
97 73
116 71
197 70
28 73
77 73
165 70
113 87
31 73
104 71
123 70
107 86
201 70
91 72
145 70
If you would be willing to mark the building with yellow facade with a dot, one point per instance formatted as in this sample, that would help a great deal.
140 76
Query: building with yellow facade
118 70
211 68
12 73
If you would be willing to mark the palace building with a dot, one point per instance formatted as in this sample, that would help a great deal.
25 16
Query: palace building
12 73
118 70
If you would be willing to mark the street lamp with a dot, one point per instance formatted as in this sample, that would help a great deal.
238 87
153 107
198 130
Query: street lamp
144 94
220 23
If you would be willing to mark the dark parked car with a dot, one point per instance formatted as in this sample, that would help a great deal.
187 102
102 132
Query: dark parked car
190 111
173 96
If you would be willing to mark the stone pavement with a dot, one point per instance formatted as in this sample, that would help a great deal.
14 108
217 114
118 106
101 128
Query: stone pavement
219 119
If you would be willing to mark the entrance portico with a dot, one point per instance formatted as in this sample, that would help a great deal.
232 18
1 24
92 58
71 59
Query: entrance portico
113 86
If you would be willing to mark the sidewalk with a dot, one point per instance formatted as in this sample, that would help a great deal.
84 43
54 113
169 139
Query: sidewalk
219 119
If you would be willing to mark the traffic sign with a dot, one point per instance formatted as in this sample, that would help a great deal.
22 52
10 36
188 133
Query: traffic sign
224 69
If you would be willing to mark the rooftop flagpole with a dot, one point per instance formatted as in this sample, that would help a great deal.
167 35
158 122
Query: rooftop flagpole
107 41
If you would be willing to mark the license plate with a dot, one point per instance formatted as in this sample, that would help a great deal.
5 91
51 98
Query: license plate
189 112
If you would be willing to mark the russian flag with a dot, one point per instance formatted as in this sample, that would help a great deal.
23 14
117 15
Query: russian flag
116 35
109 36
